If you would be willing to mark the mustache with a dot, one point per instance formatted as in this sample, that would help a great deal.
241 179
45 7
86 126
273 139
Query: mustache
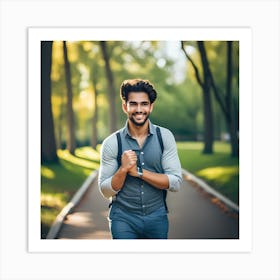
139 113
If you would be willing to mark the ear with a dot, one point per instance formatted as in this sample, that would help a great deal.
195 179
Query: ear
124 106
152 107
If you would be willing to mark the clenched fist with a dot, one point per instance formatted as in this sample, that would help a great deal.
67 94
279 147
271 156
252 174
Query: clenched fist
129 160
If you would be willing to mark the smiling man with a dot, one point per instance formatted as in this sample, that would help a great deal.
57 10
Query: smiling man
139 164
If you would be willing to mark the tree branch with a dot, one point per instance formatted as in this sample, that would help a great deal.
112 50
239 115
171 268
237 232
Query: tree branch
212 82
193 65
217 95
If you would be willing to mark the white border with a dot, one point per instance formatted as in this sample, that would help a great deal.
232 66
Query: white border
243 35
262 16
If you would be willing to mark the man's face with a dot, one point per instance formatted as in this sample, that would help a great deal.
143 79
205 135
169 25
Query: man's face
138 108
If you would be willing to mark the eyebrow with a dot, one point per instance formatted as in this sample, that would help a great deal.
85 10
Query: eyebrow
142 102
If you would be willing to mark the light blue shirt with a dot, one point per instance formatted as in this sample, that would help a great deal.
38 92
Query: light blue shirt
136 195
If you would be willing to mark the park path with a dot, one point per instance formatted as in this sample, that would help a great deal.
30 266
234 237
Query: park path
193 214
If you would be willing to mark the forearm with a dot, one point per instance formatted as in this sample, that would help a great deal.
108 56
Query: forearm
129 159
157 180
119 178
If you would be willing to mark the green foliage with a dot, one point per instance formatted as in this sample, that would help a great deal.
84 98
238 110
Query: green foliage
219 170
182 120
179 105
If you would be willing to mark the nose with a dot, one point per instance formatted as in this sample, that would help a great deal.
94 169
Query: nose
139 107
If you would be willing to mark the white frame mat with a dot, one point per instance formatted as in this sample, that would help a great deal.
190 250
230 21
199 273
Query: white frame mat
38 34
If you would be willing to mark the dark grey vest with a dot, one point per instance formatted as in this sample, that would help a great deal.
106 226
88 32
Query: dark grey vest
137 196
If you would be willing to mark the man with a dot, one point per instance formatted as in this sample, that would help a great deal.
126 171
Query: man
138 181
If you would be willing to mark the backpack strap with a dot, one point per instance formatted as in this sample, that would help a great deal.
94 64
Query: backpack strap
119 157
162 149
160 139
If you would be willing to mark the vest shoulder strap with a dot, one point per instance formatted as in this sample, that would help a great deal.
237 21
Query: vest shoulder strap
162 149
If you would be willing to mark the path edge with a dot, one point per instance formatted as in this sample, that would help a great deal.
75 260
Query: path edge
56 226
210 190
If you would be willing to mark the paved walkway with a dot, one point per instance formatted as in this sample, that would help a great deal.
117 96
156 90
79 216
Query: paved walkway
193 214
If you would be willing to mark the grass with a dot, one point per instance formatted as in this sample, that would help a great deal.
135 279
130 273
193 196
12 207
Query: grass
219 169
60 181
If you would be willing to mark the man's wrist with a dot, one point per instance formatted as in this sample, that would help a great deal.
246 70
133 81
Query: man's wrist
140 172
123 170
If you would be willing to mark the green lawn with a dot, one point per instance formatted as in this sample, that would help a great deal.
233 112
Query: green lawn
60 181
219 170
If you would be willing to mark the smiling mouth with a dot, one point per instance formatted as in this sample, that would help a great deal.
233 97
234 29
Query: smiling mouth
139 116
139 119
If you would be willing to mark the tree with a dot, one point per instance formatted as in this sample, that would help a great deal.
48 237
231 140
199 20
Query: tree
207 106
228 107
226 103
48 144
95 112
89 56
206 86
71 141
111 87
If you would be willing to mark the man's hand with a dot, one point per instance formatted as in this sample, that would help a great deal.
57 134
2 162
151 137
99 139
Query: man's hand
129 160
129 166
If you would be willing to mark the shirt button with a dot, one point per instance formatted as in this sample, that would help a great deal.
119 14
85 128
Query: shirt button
142 192
142 153
143 163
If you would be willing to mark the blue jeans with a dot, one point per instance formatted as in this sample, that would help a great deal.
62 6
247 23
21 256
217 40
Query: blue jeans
125 225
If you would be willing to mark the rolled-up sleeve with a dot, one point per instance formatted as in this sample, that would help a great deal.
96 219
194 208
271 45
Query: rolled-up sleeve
108 166
170 161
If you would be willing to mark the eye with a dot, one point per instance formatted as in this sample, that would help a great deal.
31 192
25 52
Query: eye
132 104
145 104
142 104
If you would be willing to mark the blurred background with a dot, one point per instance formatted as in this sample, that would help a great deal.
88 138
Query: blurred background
198 100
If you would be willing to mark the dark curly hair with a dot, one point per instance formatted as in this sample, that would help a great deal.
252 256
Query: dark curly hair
137 85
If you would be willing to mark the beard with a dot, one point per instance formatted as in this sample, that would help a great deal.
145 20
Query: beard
133 119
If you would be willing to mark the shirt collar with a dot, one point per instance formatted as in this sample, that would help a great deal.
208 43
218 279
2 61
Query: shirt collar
152 129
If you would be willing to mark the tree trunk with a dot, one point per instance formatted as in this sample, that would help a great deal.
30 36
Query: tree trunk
60 127
112 94
225 104
95 115
208 121
230 119
48 144
71 141
207 105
